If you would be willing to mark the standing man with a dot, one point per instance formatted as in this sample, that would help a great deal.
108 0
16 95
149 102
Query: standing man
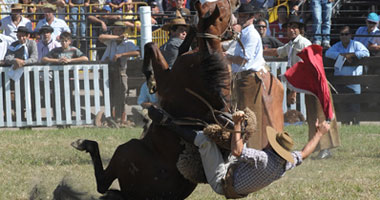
321 12
58 25
10 23
246 62
349 49
295 29
119 50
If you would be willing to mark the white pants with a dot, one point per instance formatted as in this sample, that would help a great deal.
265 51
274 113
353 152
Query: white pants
212 160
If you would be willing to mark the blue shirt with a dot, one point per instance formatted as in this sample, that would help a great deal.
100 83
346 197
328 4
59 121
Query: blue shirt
363 30
145 96
353 47
253 46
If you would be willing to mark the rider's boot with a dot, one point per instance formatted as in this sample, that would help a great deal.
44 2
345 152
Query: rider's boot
158 116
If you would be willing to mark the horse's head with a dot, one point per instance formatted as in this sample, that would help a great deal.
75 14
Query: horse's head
214 20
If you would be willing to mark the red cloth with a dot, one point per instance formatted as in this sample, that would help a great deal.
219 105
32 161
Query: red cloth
309 76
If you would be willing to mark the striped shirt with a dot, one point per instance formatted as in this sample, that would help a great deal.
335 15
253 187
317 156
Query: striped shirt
258 168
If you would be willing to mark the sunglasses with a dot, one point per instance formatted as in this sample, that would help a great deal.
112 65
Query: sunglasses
345 34
260 26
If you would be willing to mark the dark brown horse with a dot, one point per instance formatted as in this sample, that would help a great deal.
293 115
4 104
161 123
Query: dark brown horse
146 168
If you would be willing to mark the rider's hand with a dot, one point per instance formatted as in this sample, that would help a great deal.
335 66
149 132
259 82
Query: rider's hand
238 117
323 127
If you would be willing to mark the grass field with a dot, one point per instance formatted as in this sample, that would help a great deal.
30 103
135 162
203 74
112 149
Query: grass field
45 157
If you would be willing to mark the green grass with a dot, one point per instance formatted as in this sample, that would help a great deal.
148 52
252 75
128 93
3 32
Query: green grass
45 157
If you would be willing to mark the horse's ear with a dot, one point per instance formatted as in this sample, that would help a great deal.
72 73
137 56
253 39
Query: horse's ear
214 14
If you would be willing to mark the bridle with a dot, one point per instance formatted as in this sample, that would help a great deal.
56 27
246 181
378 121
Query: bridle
218 37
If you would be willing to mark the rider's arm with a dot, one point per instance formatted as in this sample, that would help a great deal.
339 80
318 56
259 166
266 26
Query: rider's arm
237 140
322 129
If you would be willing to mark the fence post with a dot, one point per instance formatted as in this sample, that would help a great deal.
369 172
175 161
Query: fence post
146 27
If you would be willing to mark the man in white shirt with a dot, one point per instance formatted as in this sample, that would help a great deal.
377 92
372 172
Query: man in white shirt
5 42
118 51
58 25
10 23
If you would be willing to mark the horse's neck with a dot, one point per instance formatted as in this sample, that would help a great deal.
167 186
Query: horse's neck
209 45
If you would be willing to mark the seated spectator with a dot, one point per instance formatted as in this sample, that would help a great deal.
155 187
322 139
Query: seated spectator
30 10
145 100
177 32
276 27
116 5
23 51
131 22
10 24
58 25
180 6
157 20
46 43
118 51
66 53
268 41
370 29
349 49
78 6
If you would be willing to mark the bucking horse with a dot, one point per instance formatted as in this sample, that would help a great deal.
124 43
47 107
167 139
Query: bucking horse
197 87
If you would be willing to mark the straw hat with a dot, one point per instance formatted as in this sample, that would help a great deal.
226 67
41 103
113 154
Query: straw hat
174 22
50 6
282 143
16 6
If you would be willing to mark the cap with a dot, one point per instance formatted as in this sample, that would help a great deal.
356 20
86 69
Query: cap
107 8
153 4
50 6
16 7
373 17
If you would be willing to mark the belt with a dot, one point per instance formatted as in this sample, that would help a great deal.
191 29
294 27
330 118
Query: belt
242 74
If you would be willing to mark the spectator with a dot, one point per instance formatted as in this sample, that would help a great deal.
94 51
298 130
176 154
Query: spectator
78 6
30 10
277 28
58 25
46 43
349 49
66 53
157 20
23 51
180 6
131 22
118 51
116 5
177 32
145 100
10 23
321 12
268 41
370 29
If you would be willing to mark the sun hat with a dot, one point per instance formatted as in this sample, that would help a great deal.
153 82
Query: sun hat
294 19
50 6
281 142
16 6
46 28
174 22
22 29
373 17
246 8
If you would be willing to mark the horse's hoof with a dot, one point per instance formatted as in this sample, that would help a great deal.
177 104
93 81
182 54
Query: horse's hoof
79 145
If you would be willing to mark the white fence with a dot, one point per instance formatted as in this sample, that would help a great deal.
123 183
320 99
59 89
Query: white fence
278 68
49 95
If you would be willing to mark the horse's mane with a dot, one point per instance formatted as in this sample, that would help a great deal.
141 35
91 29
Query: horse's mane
215 76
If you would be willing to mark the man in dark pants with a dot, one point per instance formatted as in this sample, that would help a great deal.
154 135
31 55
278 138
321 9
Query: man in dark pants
118 51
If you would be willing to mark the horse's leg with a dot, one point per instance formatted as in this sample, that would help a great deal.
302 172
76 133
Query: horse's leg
104 178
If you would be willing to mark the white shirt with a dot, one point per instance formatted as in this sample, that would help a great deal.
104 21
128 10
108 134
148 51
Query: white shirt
292 48
9 28
58 25
6 41
253 46
113 48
